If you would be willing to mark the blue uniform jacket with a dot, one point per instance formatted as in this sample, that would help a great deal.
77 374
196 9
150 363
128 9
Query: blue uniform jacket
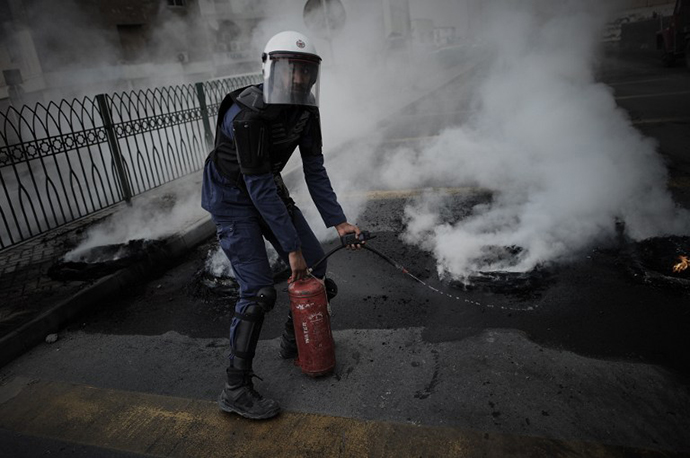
225 201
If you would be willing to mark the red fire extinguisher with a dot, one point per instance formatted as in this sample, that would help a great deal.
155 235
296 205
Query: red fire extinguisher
311 317
312 322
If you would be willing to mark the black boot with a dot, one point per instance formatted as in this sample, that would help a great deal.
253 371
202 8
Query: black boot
288 344
240 397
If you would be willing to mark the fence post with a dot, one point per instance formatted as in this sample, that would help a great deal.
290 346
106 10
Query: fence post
204 114
114 146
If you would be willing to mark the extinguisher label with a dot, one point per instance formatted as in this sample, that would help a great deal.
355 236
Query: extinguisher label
304 306
305 329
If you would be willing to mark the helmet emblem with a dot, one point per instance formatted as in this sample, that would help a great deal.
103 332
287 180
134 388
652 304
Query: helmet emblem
300 44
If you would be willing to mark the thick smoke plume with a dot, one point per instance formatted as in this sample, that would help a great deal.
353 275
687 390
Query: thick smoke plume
366 78
155 215
563 161
354 73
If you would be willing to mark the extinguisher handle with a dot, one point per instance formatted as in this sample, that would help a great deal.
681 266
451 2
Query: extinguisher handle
352 239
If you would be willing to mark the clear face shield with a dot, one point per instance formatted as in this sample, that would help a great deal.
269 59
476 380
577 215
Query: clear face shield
292 79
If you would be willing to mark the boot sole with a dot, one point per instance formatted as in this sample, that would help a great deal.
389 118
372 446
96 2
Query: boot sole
231 409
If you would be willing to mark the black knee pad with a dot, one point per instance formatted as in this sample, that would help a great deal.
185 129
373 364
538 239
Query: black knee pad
247 334
266 298
331 288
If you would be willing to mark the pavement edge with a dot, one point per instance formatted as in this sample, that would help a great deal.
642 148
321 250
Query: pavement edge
32 333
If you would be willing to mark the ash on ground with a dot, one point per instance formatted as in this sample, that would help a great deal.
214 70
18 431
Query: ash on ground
216 279
207 287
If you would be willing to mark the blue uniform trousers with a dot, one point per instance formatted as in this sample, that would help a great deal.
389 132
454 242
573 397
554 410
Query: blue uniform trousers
242 240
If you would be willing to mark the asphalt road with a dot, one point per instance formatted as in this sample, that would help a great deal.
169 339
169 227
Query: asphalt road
587 354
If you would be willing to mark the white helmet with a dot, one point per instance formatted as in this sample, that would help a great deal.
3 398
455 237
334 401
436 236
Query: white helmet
291 70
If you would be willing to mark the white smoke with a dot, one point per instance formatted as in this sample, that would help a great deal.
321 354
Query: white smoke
218 265
563 160
152 216
365 80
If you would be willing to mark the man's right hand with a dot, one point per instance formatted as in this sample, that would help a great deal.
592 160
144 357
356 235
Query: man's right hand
298 265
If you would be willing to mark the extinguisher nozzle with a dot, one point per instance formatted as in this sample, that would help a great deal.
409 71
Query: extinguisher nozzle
353 239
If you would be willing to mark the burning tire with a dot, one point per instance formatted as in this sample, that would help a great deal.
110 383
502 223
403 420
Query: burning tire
662 261
523 284
215 282
104 260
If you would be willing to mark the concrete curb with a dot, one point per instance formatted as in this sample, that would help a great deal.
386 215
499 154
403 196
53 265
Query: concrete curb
32 333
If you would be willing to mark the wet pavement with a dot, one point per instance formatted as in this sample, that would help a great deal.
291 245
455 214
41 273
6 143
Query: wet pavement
590 359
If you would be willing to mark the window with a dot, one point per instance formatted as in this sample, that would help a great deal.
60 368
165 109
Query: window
177 3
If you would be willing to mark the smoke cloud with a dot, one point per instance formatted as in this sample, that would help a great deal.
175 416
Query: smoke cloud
152 216
218 265
368 75
563 161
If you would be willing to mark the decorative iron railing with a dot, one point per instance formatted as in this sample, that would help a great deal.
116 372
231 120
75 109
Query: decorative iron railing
62 161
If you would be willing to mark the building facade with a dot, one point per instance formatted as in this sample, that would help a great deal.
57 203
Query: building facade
51 50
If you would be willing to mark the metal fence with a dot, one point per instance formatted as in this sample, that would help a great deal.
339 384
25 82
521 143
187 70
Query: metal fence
62 161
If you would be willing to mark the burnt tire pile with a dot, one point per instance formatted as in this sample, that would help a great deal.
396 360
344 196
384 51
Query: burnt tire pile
520 284
653 259
209 286
104 260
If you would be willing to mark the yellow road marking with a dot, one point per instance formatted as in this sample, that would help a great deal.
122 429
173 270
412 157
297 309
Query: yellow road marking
171 426
661 120
658 94
402 193
635 123
407 193
680 182
623 83
441 113
410 139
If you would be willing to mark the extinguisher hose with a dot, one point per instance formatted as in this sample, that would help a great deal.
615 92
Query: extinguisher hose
345 240
351 239
309 270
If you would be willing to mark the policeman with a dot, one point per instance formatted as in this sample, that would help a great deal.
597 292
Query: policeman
258 129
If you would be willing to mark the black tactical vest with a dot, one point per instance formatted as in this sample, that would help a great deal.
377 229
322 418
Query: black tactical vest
286 124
